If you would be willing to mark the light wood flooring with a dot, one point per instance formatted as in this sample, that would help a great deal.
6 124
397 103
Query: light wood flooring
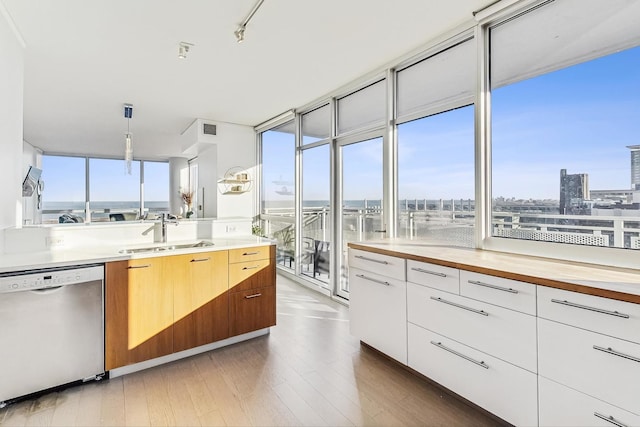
308 372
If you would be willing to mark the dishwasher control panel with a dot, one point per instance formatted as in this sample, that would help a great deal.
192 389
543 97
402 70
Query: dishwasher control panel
43 279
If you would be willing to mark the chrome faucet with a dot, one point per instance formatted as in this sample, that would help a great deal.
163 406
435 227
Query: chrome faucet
163 225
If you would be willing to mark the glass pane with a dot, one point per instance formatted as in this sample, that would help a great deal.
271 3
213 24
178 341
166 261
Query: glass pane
316 125
436 178
156 188
363 108
361 197
438 81
562 147
278 178
63 197
114 195
316 222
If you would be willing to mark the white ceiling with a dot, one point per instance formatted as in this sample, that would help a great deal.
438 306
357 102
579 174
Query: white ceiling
85 58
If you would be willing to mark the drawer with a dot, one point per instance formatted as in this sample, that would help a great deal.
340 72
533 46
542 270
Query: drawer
512 294
378 264
497 386
616 318
252 310
503 333
249 254
564 407
251 275
378 312
433 275
601 366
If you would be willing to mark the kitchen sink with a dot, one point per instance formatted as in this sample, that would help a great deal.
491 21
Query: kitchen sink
167 247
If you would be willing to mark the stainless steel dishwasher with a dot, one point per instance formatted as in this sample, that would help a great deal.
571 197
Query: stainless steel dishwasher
51 329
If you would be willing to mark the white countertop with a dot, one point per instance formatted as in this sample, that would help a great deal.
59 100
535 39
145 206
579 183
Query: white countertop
62 257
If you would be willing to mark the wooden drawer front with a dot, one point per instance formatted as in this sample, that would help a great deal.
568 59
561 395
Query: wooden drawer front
502 333
435 276
252 310
378 312
251 275
561 406
583 360
519 296
378 264
616 318
249 254
499 387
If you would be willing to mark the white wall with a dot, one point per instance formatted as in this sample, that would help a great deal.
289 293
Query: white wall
236 148
11 107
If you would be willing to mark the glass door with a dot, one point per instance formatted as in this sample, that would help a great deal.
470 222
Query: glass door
361 199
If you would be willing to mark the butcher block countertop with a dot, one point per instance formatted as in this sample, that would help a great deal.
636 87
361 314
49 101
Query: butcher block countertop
609 282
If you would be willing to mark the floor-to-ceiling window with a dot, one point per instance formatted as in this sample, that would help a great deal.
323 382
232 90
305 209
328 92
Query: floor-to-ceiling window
64 194
316 243
521 128
277 203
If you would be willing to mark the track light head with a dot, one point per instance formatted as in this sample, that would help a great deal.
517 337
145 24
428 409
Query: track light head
240 33
183 49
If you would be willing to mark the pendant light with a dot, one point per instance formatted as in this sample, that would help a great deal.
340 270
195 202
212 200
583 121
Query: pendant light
128 143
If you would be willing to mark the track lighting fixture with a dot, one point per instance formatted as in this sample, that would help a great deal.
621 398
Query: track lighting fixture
239 32
183 49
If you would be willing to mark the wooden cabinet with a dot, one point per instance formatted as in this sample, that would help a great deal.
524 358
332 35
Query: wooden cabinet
201 298
252 292
162 305
138 312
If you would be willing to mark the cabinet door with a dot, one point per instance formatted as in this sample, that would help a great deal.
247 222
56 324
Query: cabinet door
252 310
138 312
578 409
378 311
201 300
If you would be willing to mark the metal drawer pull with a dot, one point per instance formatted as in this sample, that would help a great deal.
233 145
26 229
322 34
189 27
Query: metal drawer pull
253 296
484 313
250 268
250 253
586 307
450 350
616 353
362 276
139 266
489 285
609 419
200 259
371 259
420 270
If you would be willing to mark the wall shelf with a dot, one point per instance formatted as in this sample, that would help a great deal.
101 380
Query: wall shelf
235 181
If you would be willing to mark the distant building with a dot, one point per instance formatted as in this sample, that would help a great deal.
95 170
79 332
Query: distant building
574 190
635 166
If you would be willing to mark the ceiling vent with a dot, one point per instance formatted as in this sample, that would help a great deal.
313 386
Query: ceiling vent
198 136
208 129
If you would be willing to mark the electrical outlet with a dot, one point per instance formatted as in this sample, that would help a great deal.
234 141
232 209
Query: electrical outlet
54 241
231 228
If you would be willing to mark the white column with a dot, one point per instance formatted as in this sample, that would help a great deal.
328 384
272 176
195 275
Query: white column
178 180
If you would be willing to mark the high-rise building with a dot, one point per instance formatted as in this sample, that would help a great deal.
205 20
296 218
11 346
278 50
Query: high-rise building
574 190
635 166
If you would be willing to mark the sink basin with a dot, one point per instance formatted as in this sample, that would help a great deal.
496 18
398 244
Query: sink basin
167 247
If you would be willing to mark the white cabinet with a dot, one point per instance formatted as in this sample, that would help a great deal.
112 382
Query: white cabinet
511 294
561 406
601 366
499 387
606 316
435 276
503 333
378 311
378 264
